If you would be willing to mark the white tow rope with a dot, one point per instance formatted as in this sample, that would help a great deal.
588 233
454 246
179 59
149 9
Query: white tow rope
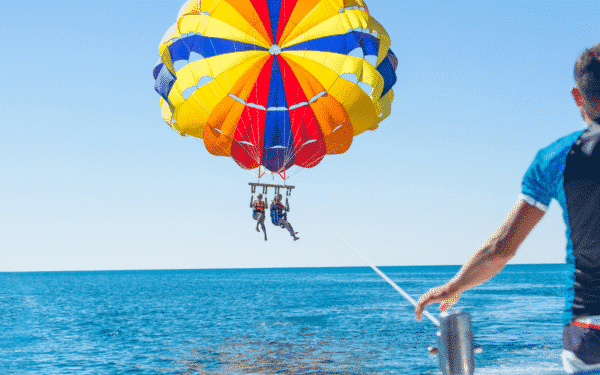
433 319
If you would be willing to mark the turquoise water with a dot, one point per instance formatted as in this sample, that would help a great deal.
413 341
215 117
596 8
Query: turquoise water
268 321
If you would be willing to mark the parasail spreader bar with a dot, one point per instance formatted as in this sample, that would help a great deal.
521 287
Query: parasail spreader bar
265 187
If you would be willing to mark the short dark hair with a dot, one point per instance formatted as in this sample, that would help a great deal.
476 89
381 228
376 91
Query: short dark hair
587 74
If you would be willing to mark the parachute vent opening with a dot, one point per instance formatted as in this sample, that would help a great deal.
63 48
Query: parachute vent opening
237 99
350 77
254 105
245 143
188 92
357 52
358 30
307 142
201 82
274 49
292 107
177 65
195 56
218 131
337 128
314 98
371 59
206 13
342 10
257 106
204 80
368 89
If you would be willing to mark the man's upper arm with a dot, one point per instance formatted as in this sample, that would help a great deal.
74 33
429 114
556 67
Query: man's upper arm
517 226
541 183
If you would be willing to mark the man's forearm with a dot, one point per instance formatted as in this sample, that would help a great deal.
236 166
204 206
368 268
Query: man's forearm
483 265
499 249
488 260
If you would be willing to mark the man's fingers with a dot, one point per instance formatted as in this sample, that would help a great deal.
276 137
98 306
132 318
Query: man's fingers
419 311
432 296
426 299
435 295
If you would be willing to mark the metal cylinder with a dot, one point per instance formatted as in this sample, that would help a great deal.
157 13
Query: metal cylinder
455 344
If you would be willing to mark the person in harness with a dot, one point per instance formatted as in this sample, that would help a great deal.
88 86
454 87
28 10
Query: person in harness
279 215
258 213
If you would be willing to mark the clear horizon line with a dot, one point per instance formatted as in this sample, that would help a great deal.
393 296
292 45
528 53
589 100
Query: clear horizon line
260 268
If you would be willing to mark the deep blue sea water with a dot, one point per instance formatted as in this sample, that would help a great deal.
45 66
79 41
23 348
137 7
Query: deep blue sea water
268 321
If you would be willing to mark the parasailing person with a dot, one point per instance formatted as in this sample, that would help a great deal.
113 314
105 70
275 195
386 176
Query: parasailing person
279 215
258 213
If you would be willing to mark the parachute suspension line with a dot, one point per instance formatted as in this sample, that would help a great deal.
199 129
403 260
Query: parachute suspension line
295 134
259 174
296 171
253 154
433 319
309 162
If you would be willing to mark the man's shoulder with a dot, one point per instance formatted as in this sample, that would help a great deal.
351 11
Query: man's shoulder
557 149
542 180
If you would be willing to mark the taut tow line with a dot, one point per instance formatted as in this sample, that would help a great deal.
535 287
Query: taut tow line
433 319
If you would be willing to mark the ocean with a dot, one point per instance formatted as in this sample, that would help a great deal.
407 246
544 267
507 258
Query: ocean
269 321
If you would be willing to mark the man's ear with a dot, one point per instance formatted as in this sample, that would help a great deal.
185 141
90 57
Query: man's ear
577 96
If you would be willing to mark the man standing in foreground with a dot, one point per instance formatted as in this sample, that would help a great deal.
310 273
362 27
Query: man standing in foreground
569 171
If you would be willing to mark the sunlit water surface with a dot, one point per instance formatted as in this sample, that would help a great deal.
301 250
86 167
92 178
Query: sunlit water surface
268 321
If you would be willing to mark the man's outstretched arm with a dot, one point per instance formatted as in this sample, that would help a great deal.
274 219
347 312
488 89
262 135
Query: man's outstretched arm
488 260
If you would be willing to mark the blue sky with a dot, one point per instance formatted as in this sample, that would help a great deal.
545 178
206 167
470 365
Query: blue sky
91 178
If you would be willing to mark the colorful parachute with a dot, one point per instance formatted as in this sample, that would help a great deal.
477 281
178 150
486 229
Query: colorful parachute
275 83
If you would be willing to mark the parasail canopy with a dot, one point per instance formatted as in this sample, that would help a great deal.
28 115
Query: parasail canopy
275 83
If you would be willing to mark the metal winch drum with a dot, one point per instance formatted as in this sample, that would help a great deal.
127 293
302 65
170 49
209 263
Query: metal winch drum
456 352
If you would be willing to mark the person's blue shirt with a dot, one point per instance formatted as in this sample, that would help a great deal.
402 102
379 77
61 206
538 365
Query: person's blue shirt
544 181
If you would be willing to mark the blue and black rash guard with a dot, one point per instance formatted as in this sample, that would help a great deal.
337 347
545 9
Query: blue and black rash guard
569 171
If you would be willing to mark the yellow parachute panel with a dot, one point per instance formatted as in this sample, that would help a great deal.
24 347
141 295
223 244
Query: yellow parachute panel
275 83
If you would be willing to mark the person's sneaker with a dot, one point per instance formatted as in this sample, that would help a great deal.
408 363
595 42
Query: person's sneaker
265 238
257 229
296 238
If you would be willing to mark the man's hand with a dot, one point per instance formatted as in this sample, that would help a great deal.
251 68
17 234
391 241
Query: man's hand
488 260
441 294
